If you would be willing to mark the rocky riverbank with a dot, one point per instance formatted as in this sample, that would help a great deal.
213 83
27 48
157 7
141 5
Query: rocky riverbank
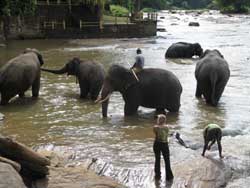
25 166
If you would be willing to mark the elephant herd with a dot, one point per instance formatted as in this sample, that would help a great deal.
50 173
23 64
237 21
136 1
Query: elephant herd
151 88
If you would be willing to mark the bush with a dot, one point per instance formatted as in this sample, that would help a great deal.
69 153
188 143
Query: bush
148 10
231 9
117 10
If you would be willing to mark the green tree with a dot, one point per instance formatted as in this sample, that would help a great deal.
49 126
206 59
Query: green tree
155 4
17 8
234 6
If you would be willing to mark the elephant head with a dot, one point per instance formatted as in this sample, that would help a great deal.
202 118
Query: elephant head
117 79
71 68
212 51
197 49
33 50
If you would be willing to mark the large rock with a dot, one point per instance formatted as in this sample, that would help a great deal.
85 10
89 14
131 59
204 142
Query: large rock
195 24
9 178
33 165
201 173
75 176
239 183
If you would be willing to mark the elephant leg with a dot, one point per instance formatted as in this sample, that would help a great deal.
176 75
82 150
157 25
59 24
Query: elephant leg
198 92
36 87
160 111
207 93
84 87
173 108
5 97
94 91
217 93
21 94
130 109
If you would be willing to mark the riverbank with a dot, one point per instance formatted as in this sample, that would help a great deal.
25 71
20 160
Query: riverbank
63 175
21 167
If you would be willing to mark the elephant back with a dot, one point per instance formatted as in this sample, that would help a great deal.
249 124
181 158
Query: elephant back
92 70
23 68
159 88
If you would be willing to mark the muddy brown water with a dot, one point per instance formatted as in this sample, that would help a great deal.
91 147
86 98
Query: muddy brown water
60 121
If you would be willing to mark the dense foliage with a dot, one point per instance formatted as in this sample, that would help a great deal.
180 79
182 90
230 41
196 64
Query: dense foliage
233 6
117 10
17 7
236 6
164 4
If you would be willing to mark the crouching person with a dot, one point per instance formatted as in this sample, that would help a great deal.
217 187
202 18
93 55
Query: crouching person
212 133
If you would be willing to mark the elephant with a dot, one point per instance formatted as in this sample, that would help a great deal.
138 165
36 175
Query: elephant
90 76
150 88
19 74
183 50
212 74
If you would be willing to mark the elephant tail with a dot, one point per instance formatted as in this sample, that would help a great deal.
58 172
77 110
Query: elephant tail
213 79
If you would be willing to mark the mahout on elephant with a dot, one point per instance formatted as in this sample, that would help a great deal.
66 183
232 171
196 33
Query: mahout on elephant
212 74
184 50
89 74
155 88
19 74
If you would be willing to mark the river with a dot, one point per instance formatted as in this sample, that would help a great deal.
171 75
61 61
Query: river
60 121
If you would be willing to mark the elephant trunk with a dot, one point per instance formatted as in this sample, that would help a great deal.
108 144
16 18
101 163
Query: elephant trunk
104 99
105 108
60 71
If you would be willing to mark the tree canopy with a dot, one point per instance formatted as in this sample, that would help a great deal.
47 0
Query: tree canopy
233 6
17 7
236 6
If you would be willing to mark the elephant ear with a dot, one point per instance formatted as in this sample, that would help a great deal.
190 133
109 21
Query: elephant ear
198 49
73 66
205 53
219 53
120 77
130 79
39 56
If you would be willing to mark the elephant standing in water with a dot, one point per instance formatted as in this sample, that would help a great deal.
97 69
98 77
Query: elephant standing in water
155 88
19 74
184 50
90 76
212 74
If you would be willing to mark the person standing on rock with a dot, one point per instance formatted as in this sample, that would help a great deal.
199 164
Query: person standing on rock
161 131
212 133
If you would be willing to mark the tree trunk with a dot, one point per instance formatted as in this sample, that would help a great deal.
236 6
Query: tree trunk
137 6
6 27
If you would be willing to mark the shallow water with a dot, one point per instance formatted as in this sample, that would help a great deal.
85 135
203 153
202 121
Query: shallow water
60 121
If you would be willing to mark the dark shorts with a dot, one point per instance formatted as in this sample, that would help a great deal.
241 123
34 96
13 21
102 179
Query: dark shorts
213 134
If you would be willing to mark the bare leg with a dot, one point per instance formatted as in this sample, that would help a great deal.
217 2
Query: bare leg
205 147
220 149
